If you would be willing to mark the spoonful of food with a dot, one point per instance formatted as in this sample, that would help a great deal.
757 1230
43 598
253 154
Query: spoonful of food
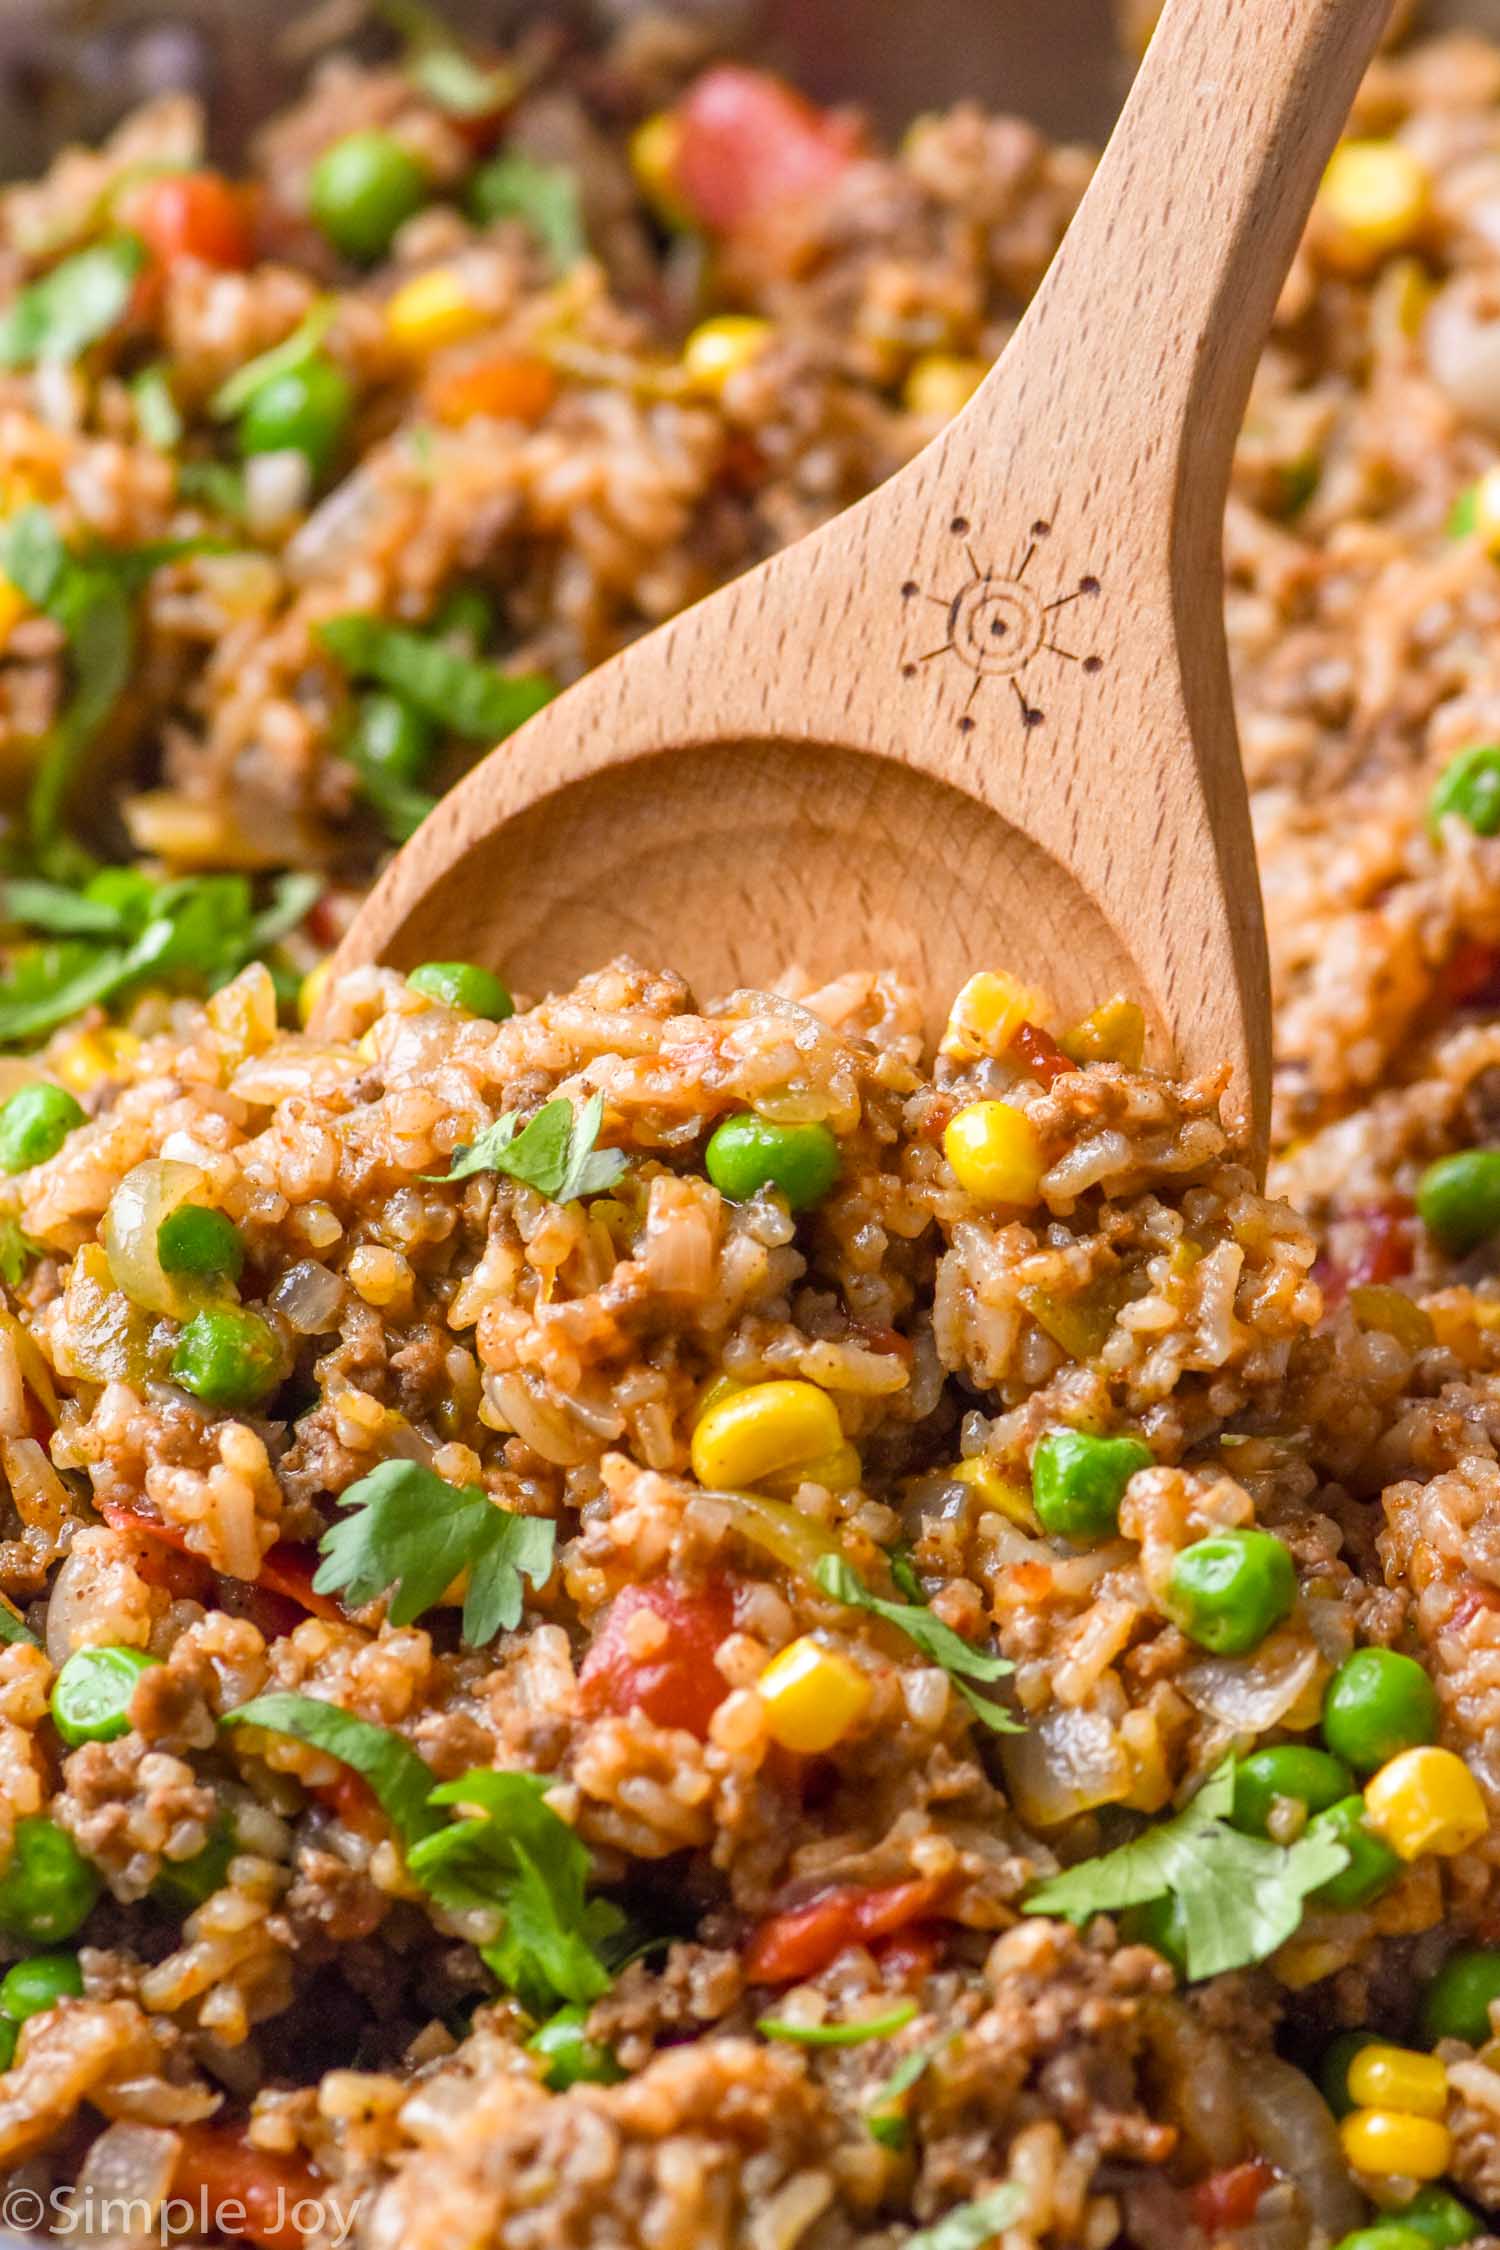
984 717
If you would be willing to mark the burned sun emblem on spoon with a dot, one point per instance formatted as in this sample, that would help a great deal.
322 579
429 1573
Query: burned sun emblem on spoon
1001 626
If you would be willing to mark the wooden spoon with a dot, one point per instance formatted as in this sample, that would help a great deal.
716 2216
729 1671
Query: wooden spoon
982 719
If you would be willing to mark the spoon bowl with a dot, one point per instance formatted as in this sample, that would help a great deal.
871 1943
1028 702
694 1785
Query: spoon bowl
984 717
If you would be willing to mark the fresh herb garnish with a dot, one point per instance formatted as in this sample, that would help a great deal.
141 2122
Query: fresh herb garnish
969 2226
14 1629
471 699
885 2118
156 410
517 1856
544 197
409 1533
197 931
71 307
555 1153
401 1781
1241 1896
458 84
959 1658
852 2034
16 1250
293 352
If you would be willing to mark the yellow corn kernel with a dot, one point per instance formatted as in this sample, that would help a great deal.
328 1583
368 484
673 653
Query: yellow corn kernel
85 1062
1006 1495
939 383
433 309
987 1013
757 1431
1115 1032
718 348
996 1153
1388 2141
1373 200
838 1471
653 160
13 607
812 1696
1487 512
1399 2078
311 990
1426 1800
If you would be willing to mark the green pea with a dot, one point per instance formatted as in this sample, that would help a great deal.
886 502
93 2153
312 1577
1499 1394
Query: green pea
1289 1770
1390 2234
1439 2219
572 2058
306 410
91 1694
1372 1866
459 984
48 1888
364 188
1378 1702
391 736
1458 1199
228 1356
1333 2071
185 1883
34 1986
1078 1481
1162 1925
1456 2005
1469 785
34 1123
1228 1591
194 1239
747 1153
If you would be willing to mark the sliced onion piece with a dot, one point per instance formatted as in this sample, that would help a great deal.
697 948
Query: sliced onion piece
146 1196
1293 2127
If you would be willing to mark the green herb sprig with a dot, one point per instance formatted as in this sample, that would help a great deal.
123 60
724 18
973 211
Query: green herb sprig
407 1532
555 1153
959 1658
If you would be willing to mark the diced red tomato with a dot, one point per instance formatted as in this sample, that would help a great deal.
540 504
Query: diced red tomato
1385 1251
675 1681
500 386
286 1571
799 1942
249 2193
1471 975
190 215
747 143
882 1339
912 1954
1230 2199
1041 1054
351 1800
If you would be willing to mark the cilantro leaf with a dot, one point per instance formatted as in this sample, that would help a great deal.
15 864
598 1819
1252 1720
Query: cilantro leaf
14 1628
401 1781
852 2034
555 1154
472 699
969 2226
286 358
71 307
517 1856
94 612
959 1658
58 910
885 2115
409 1533
1241 1896
157 414
544 197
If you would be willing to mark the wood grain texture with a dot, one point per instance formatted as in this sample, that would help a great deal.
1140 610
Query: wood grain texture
984 717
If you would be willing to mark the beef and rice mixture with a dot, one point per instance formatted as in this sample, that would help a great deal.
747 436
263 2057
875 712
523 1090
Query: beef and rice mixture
640 1617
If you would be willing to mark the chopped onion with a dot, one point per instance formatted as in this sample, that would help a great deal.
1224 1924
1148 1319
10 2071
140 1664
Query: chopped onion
277 486
1252 1693
308 1298
1292 2126
541 1423
1463 352
1066 1762
131 2168
797 1541
145 1197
